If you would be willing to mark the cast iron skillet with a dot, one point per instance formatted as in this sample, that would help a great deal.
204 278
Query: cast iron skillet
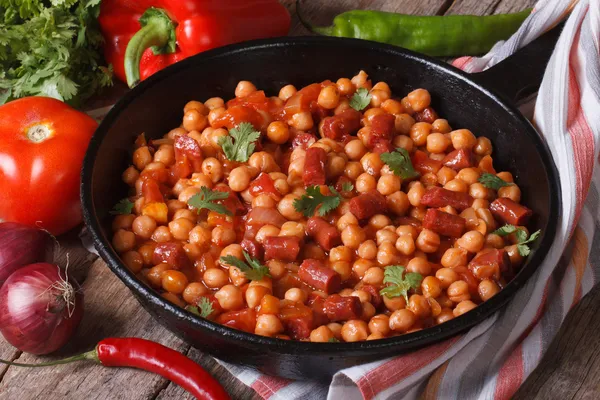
480 102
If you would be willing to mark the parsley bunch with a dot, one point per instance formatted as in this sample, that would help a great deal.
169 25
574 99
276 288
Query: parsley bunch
51 48
522 240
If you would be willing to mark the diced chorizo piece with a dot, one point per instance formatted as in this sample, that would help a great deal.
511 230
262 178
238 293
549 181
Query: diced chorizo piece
423 164
252 247
318 276
341 125
466 275
303 140
444 223
382 129
412 221
296 318
438 197
368 204
151 190
314 167
187 150
340 308
284 248
298 328
436 256
264 185
459 159
318 308
244 320
509 211
491 264
251 231
427 115
383 146
376 298
327 236
171 253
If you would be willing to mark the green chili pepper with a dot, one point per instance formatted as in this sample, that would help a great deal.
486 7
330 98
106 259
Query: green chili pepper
443 36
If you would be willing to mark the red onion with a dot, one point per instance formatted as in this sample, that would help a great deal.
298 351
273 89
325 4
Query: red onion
265 215
22 245
40 308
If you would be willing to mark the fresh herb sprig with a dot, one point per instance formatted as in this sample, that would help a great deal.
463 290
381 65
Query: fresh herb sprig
401 282
313 199
252 268
207 199
123 207
492 181
522 240
244 135
361 99
400 163
204 308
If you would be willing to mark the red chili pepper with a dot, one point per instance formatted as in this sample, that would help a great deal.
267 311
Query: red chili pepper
152 357
172 30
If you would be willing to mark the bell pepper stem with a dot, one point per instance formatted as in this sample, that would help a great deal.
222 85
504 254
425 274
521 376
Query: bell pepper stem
321 30
157 32
90 355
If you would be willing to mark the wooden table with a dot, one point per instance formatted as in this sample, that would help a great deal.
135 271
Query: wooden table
570 369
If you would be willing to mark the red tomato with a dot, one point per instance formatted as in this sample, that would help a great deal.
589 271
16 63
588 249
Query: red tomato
43 145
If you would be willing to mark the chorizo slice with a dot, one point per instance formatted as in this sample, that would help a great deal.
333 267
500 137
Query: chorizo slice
314 167
171 253
509 211
368 204
459 159
444 223
327 236
339 308
438 197
318 276
284 248
490 264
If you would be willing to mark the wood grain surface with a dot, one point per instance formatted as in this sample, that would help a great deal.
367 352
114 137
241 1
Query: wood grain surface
570 369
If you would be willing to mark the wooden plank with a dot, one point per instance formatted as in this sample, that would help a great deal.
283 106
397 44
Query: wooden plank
485 7
571 367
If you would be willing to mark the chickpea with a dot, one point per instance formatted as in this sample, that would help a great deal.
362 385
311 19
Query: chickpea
130 175
222 236
353 170
133 261
346 220
278 132
143 226
367 250
445 175
361 266
516 258
174 281
244 88
266 231
419 306
437 142
286 92
302 121
268 325
123 241
483 146
463 139
345 86
353 236
373 276
286 208
494 241
194 120
458 291
321 335
445 315
431 287
371 164
263 200
469 175
428 241
142 157
446 276
378 97
230 298
405 244
276 268
212 168
380 324
340 253
239 179
419 133
402 320
487 289
214 102
392 106
215 278
419 99
388 184
361 80
441 125
155 274
407 230
255 294
478 191
419 265
394 303
234 250
147 252
329 97
355 149
511 192
180 228
454 257
262 161
355 331
398 203
463 307
193 292
415 194
457 185
403 125
471 241
296 294
382 86
343 268
292 228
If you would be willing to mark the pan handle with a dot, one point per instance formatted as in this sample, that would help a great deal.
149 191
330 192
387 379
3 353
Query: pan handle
520 75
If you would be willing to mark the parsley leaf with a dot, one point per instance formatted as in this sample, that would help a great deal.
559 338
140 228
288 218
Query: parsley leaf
203 309
124 206
492 181
401 282
400 163
207 199
252 268
245 136
521 236
308 203
333 340
361 99
347 187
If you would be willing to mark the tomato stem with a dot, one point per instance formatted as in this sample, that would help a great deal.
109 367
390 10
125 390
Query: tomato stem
38 133
90 355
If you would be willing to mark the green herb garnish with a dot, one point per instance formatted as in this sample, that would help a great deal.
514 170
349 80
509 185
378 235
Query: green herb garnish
333 340
252 268
123 207
203 309
522 240
245 135
401 282
400 163
492 181
207 199
309 202
361 99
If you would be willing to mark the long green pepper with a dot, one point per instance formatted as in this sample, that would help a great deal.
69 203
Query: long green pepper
441 36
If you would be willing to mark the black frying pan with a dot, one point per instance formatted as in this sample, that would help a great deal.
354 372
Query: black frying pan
480 102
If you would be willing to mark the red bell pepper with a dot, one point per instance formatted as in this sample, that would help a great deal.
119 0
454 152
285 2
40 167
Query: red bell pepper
172 30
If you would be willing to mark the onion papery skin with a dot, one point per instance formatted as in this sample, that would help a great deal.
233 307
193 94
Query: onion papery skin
22 245
34 316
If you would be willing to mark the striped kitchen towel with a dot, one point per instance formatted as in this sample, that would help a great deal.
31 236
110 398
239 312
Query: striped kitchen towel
499 354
